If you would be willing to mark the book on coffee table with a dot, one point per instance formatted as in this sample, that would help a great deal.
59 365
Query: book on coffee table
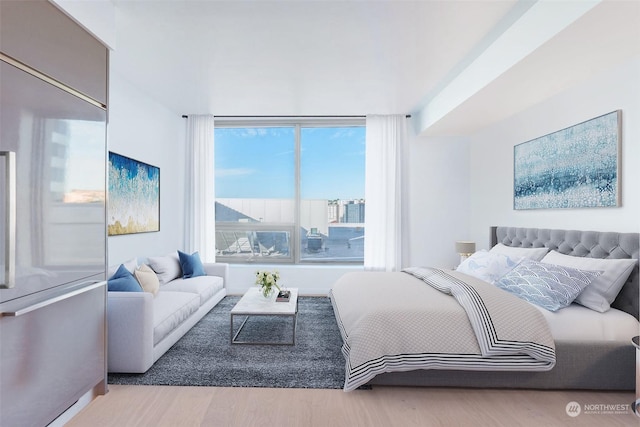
283 296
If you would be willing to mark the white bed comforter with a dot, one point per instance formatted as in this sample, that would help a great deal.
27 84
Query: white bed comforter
437 320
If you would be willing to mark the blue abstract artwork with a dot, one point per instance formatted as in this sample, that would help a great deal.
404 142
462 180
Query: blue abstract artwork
134 196
576 167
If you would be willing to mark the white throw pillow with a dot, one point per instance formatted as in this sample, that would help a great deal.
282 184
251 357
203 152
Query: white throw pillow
167 267
487 266
603 290
147 279
535 254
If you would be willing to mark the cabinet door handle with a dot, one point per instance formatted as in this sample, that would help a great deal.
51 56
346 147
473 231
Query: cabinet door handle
9 220
88 286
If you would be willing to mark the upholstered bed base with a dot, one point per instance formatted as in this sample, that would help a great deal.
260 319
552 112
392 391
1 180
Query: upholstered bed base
579 366
594 365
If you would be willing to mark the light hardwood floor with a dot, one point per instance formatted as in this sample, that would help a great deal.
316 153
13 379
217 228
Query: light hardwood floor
382 406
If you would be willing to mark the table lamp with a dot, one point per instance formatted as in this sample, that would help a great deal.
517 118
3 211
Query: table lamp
465 249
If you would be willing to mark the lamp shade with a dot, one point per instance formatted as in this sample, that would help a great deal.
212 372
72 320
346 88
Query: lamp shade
465 248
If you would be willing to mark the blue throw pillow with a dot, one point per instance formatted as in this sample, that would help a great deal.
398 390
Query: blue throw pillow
547 285
123 281
191 265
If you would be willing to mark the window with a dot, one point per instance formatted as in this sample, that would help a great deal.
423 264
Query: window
290 192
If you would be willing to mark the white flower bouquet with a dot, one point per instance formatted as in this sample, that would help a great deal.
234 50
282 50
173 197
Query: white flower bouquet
267 281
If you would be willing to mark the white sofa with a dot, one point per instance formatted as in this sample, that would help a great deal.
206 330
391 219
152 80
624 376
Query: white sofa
143 326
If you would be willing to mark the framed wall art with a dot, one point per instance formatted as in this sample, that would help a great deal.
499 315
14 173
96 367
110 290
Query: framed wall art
576 167
134 196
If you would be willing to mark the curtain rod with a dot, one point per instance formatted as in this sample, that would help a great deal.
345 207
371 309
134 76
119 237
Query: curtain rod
184 116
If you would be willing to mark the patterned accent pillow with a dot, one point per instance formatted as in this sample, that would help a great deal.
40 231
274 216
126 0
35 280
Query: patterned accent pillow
487 266
549 286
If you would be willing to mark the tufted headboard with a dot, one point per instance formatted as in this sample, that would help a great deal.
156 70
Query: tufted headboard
592 244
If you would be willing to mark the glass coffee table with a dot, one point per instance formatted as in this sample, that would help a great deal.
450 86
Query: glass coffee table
253 303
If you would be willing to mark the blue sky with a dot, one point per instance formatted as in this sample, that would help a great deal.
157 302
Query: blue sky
259 162
86 147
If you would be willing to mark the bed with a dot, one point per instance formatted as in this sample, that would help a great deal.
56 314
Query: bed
385 317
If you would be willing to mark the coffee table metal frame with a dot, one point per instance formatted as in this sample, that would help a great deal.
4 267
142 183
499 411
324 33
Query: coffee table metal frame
253 303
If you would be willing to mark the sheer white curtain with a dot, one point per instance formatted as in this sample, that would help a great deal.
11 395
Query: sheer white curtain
385 139
199 192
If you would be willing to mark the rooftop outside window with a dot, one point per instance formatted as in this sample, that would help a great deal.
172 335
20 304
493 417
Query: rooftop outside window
290 194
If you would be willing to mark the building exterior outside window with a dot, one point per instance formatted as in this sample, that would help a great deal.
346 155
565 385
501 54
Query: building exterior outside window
290 192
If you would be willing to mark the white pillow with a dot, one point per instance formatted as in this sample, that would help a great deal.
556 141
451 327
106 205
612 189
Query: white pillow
603 290
487 266
535 254
166 267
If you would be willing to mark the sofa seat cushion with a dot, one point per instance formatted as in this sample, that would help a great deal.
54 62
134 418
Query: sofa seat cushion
170 309
205 286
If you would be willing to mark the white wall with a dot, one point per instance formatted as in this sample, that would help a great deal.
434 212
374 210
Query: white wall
438 200
144 130
491 158
458 186
147 131
309 279
96 16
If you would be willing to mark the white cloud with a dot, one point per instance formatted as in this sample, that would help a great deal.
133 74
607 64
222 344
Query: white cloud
251 132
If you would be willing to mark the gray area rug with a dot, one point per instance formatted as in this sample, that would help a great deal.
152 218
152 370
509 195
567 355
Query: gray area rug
205 357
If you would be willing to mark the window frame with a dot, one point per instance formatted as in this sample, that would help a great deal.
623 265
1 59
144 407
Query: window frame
294 247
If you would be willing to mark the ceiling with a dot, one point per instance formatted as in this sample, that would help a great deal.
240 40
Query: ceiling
302 57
